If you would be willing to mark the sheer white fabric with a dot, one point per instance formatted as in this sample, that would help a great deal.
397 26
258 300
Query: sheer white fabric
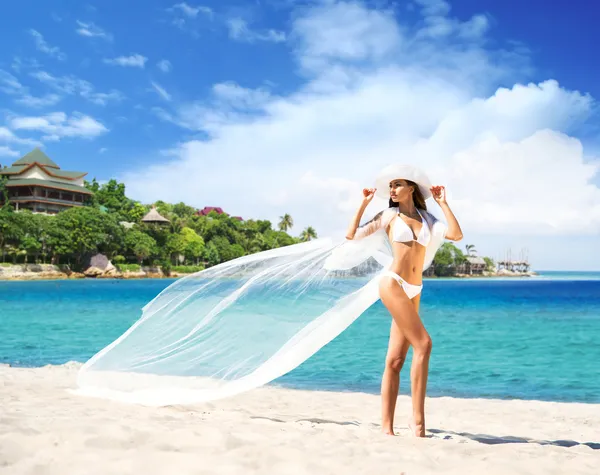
244 323
380 222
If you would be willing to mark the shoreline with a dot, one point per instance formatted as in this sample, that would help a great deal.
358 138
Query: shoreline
303 388
270 430
49 272
37 278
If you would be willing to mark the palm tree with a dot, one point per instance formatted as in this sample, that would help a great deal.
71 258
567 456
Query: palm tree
286 222
308 234
177 224
471 251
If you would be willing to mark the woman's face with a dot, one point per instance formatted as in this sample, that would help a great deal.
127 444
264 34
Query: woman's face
400 190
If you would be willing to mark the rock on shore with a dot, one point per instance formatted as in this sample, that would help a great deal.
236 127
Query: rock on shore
50 271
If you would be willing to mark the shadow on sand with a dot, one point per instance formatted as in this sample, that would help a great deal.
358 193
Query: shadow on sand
447 434
509 439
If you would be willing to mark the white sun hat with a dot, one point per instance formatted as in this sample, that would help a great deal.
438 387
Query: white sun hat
405 172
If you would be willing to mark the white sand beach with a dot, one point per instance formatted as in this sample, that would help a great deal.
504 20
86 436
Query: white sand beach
44 429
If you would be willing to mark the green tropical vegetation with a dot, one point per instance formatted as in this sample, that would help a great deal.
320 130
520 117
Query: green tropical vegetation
286 222
3 190
111 223
450 260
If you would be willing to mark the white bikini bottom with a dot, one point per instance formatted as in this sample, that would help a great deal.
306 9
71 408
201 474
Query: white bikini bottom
411 290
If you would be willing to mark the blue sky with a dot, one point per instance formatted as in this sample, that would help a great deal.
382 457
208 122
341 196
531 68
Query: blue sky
268 107
193 44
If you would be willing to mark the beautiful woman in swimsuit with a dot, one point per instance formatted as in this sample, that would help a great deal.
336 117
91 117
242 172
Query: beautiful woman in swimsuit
408 226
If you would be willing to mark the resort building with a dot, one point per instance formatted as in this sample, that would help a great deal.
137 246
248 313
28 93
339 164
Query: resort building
474 266
208 209
507 263
514 266
36 183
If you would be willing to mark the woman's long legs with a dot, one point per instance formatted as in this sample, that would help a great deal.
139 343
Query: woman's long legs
396 356
406 317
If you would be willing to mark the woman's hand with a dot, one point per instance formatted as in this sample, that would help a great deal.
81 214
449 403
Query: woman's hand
454 233
439 194
368 194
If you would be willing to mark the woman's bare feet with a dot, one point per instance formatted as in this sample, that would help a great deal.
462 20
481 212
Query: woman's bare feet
388 431
418 430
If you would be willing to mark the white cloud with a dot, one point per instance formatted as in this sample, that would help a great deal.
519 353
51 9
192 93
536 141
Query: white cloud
311 151
442 27
509 185
233 95
345 31
8 152
477 26
186 17
57 125
73 85
7 136
104 98
64 84
192 11
20 63
9 84
434 7
160 91
102 150
44 47
376 93
92 31
438 25
70 85
239 30
134 60
229 102
508 115
35 102
164 65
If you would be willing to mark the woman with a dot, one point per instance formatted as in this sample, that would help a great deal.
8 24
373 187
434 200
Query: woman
408 226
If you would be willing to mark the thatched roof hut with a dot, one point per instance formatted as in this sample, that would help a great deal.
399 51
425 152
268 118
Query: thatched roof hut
154 216
476 261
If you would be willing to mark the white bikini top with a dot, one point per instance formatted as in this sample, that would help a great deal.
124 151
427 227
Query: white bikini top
433 232
401 231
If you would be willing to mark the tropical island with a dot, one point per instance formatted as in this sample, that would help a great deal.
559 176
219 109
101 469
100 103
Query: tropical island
56 224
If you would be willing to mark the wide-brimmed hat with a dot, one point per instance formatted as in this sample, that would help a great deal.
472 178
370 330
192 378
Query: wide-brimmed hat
404 172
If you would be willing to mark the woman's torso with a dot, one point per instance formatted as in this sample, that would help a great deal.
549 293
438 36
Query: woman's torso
409 237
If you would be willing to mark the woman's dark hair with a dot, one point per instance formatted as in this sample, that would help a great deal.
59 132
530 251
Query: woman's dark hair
418 199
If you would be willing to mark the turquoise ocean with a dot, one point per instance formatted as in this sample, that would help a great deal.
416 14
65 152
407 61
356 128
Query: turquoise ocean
530 338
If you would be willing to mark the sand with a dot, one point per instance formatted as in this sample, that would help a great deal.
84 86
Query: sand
44 429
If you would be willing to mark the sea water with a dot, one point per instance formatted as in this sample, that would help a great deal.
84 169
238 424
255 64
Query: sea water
526 338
